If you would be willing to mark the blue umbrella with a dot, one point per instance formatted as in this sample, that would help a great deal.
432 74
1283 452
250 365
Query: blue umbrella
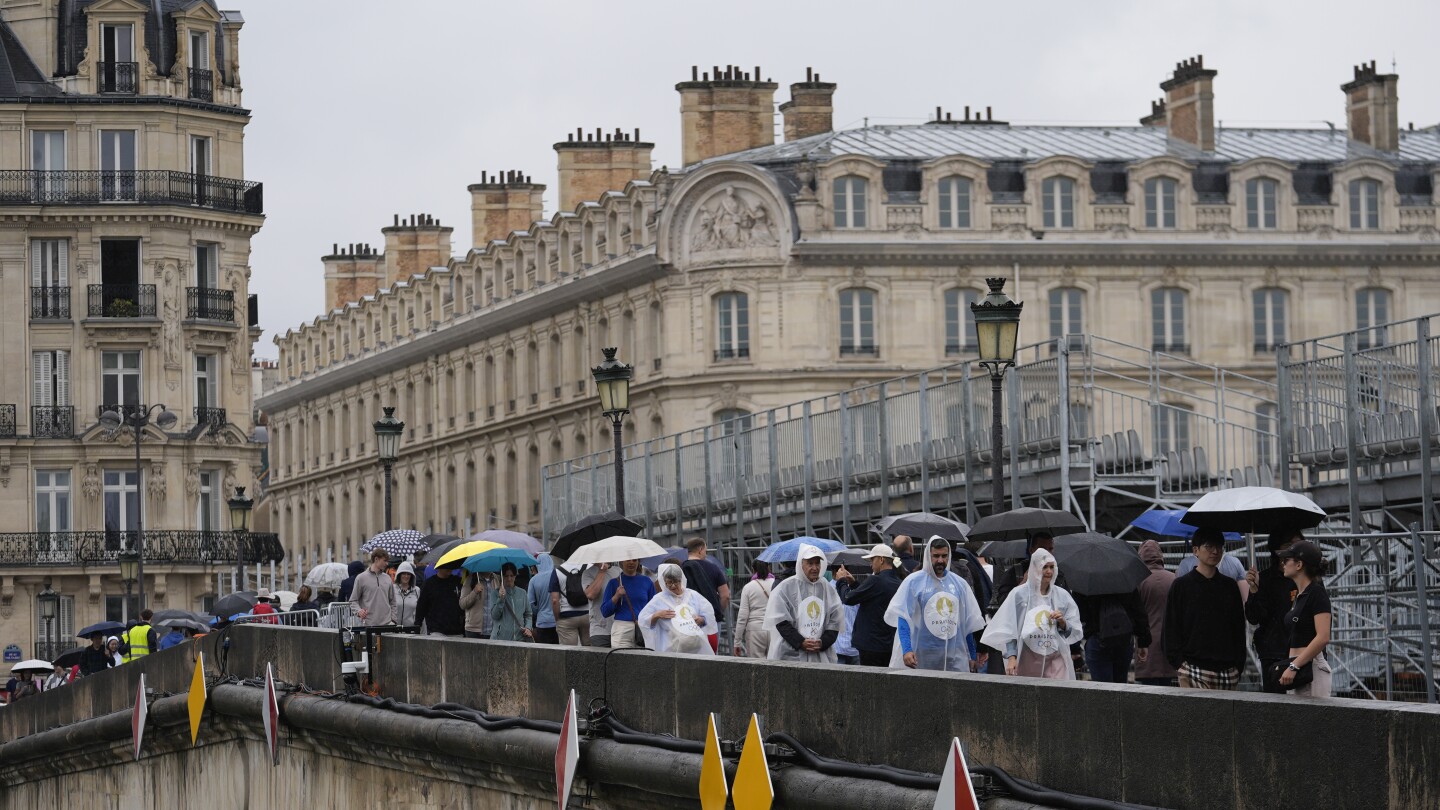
785 550
653 563
1166 523
101 627
492 560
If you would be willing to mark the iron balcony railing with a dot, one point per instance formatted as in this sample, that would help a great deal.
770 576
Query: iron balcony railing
7 421
35 549
202 84
732 353
210 304
214 418
119 77
50 302
864 349
52 421
122 301
50 650
143 187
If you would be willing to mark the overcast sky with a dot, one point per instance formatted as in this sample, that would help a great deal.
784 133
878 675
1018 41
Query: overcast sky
368 108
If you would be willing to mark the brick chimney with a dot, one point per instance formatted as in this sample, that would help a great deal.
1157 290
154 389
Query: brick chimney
810 110
594 163
507 202
1190 104
414 246
731 112
351 273
1372 108
1156 118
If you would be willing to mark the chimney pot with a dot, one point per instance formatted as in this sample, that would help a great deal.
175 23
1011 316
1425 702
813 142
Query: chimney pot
694 73
809 74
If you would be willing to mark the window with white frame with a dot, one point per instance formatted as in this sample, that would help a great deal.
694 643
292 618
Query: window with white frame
207 386
1372 310
1160 203
1364 205
1269 311
857 322
207 266
50 378
1262 197
1167 317
117 164
1058 202
849 193
49 263
47 154
955 202
959 325
119 379
1172 428
207 507
1067 306
732 324
52 501
121 492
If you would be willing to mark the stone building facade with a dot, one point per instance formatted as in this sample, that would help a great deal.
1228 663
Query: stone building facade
124 281
764 273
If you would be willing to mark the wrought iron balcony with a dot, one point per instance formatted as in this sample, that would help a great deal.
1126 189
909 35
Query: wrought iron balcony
732 353
865 349
38 549
122 301
7 421
52 421
210 304
50 302
147 187
213 418
119 77
202 84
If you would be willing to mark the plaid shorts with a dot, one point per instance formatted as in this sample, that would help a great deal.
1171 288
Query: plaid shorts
1196 678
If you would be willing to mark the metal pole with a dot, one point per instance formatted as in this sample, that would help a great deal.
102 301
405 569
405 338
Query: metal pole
997 441
389 474
1422 595
140 420
615 422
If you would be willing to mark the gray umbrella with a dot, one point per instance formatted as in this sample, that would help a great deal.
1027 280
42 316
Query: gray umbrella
921 525
238 602
190 624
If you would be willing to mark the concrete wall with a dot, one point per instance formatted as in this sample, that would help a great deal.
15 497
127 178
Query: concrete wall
1164 747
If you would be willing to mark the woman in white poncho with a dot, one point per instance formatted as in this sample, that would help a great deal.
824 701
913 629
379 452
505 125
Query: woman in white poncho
1036 624
677 619
805 615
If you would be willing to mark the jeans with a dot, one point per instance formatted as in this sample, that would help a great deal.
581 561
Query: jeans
874 659
848 660
1108 658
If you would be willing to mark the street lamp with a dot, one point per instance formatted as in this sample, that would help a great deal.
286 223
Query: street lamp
612 380
49 609
387 444
129 573
240 507
138 417
997 327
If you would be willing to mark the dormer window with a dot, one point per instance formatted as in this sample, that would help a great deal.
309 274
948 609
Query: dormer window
119 72
1058 203
1261 198
201 78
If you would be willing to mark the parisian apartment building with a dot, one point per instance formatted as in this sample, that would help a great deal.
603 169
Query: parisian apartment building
124 288
769 269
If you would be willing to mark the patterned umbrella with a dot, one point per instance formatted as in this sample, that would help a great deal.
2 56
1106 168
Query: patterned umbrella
399 542
327 576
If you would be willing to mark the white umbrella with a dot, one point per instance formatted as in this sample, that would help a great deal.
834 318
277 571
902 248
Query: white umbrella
327 576
285 598
613 550
33 665
1254 509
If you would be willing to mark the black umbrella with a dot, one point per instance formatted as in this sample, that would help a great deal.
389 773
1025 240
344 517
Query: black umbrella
70 658
1005 549
1096 564
922 526
190 624
101 627
440 545
588 529
231 604
1019 524
852 560
163 616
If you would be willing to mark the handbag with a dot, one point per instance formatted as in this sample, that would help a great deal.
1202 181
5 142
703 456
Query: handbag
1302 678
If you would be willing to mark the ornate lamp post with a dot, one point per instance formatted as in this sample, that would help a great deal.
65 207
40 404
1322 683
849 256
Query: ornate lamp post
129 573
138 417
240 507
612 380
997 327
387 442
49 609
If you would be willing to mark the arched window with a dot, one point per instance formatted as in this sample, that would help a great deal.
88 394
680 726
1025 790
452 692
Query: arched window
732 326
959 326
557 365
857 323
492 385
1262 197
955 202
1160 203
1364 205
533 371
470 384
850 201
657 333
1269 316
509 380
1058 202
1167 318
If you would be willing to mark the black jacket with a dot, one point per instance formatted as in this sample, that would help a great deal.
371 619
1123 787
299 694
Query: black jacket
1267 608
1092 606
94 661
439 606
1205 622
870 632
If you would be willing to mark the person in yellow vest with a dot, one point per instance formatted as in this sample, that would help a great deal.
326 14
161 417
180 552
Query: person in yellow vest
140 639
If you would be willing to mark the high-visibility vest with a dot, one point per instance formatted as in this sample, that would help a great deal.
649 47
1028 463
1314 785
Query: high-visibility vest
138 637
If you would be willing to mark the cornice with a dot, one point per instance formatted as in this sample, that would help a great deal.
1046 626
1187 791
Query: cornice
1122 253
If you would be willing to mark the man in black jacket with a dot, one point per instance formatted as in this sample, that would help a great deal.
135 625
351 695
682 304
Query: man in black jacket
438 608
1271 595
1205 620
871 636
1111 622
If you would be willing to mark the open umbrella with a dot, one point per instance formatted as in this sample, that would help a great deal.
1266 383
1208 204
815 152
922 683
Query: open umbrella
1096 564
400 543
441 545
327 576
1005 549
613 550
592 528
162 616
231 604
33 665
70 658
102 627
785 550
1019 524
191 624
653 563
921 525
524 542
1254 509
284 598
1170 523
492 560
464 551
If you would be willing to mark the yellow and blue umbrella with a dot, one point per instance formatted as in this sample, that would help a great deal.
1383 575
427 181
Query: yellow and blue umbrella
464 551
493 559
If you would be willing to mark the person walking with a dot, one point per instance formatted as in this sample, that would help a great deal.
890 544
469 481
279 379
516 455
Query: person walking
58 678
752 640
1205 620
407 595
438 610
804 615
139 638
510 609
1116 624
571 605
372 591
707 579
1151 666
347 585
264 608
1309 622
475 601
905 555
97 657
677 619
112 649
305 600
934 613
1037 623
594 581
873 637
537 594
1271 596
623 600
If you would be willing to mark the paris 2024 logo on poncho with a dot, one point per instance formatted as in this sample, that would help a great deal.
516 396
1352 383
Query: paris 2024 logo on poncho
684 621
812 617
1038 632
942 615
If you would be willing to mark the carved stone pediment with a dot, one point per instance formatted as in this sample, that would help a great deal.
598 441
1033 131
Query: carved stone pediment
732 219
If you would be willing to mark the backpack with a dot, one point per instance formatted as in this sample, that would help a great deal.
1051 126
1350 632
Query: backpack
1114 620
574 591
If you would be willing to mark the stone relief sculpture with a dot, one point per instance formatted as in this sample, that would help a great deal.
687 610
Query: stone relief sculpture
171 298
156 482
90 484
729 221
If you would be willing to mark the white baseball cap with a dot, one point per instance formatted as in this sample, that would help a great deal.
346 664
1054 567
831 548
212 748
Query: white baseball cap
880 550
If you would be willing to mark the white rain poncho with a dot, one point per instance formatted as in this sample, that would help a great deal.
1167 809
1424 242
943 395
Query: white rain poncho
941 611
1024 618
681 633
812 608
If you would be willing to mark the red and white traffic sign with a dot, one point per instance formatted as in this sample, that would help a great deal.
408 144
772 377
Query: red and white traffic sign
137 718
567 755
956 790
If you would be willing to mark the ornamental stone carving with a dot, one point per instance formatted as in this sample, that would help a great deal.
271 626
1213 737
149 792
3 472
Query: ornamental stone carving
156 484
733 220
90 484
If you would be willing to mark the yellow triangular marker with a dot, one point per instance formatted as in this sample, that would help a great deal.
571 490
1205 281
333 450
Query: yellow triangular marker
753 790
713 789
197 697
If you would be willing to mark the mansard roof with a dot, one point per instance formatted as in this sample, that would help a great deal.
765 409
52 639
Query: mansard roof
160 37
20 77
